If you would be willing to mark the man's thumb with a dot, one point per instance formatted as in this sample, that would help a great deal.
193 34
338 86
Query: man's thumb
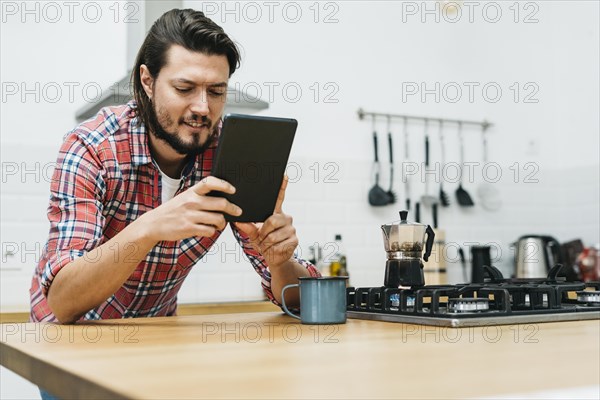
249 229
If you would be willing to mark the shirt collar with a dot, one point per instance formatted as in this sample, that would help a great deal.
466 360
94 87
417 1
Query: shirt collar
140 150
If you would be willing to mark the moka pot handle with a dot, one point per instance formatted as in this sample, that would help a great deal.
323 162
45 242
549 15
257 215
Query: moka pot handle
429 244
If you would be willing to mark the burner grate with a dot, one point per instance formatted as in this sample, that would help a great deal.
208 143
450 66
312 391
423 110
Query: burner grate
496 301
477 300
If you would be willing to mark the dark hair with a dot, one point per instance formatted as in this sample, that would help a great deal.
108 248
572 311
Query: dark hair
189 29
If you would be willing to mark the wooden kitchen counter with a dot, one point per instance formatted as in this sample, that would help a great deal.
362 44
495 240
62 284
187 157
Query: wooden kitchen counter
270 355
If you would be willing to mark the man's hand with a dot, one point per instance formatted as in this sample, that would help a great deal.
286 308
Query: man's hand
191 213
276 238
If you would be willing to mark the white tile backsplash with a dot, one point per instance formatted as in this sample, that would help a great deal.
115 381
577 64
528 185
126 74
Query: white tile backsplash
22 243
14 293
32 208
544 207
563 204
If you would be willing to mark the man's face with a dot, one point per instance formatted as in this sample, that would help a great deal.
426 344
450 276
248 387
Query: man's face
188 98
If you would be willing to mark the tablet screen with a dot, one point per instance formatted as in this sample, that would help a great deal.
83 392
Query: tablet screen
252 155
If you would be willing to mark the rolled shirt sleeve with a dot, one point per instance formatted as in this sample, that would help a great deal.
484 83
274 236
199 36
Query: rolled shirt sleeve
75 211
260 265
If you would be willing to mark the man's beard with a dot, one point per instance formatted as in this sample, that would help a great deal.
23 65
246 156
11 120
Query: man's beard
192 148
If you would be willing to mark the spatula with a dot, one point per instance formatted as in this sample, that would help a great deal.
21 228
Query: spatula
417 212
444 198
462 196
377 195
463 263
406 159
391 194
427 200
487 193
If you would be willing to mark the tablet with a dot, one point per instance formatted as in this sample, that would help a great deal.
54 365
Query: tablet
252 155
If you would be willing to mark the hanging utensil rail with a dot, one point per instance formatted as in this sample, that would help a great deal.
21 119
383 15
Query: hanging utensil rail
362 114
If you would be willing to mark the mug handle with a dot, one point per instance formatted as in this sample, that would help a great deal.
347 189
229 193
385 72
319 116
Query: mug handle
288 312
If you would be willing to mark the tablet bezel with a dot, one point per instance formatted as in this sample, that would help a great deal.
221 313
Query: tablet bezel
271 141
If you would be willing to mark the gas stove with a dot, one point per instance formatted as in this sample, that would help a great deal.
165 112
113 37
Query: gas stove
497 301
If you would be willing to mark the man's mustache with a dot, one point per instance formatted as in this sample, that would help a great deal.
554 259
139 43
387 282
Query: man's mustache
204 120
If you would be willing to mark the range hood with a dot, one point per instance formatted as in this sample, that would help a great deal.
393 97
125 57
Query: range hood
121 93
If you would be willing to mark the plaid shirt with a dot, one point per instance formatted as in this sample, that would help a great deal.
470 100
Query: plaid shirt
104 179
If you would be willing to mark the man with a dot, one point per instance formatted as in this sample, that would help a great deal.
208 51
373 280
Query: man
128 212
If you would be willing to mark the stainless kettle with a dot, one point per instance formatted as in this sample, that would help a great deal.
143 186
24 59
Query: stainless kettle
535 255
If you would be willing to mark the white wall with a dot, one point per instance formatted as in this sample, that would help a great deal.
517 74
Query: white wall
365 57
370 53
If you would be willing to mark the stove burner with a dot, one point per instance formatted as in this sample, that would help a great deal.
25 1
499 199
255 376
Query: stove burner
525 302
588 296
395 301
468 304
495 301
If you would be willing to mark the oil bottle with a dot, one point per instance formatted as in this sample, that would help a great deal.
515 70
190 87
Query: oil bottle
338 265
